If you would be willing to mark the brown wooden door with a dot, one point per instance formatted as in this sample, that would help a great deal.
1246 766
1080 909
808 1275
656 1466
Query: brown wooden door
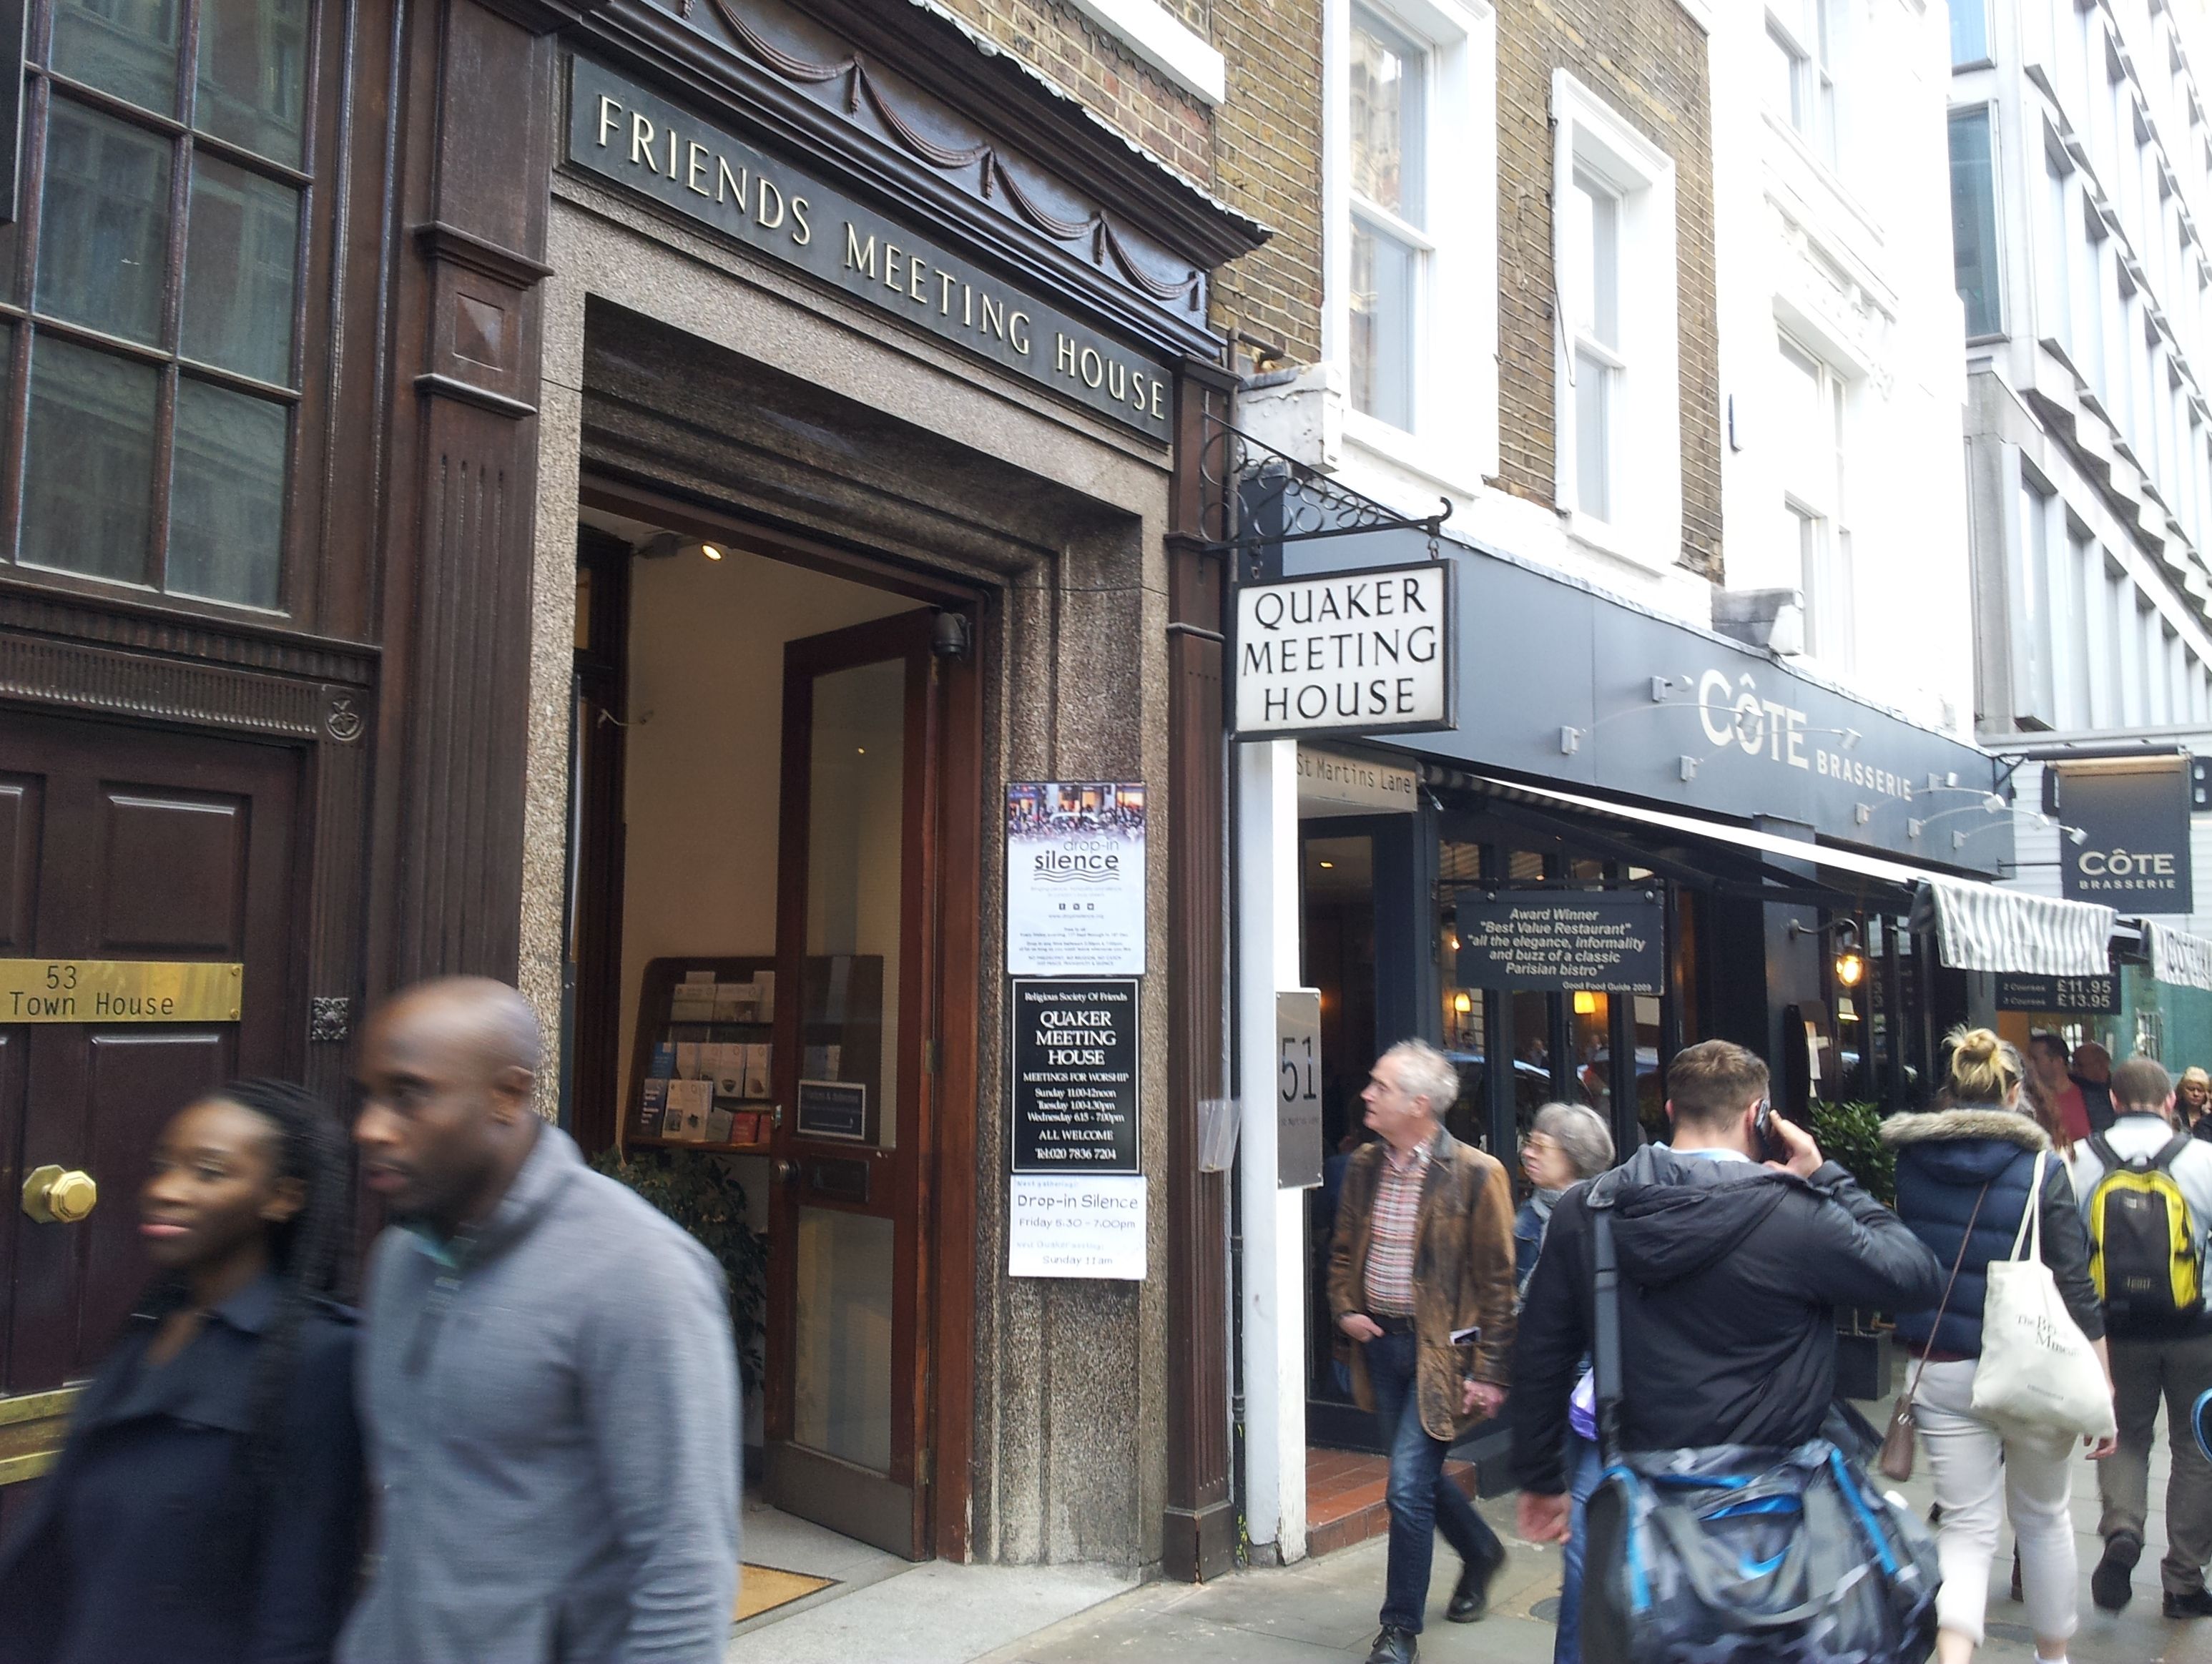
125 843
848 1397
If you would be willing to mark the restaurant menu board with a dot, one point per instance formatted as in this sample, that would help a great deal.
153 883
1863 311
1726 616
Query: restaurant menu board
1604 941
1075 878
1075 1076
707 1076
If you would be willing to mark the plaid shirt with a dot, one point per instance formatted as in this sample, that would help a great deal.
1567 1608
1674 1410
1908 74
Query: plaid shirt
1389 1275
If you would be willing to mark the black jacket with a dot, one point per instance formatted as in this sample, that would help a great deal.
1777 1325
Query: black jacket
1730 1276
145 1544
1944 1161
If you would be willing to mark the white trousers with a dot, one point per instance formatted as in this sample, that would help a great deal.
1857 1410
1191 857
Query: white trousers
1970 1461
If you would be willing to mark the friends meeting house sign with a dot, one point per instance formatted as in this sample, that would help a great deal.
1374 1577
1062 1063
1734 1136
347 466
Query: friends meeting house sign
1496 665
621 132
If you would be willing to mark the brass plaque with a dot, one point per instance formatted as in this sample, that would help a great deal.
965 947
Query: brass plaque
103 990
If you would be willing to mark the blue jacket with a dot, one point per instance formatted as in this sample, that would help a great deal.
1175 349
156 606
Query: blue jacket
146 1545
1943 1160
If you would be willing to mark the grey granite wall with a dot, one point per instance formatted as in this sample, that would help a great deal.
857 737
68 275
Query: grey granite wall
685 367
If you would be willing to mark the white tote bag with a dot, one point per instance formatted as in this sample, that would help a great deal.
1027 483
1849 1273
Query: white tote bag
2038 1370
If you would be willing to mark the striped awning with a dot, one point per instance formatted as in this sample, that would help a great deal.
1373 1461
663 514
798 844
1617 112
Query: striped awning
2178 957
1979 927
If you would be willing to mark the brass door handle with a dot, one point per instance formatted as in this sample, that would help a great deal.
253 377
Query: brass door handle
59 1195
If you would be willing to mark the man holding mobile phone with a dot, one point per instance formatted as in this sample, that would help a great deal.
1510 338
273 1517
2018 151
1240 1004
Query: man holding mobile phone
1736 1244
1421 1277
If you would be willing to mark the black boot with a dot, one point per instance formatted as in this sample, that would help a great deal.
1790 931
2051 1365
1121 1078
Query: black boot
1470 1600
2109 1585
1396 1646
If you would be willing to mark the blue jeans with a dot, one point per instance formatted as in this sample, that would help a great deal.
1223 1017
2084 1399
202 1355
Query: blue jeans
1583 1471
1422 1502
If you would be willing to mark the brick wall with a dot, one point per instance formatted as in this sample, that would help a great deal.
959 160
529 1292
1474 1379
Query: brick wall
1110 80
1647 59
1267 162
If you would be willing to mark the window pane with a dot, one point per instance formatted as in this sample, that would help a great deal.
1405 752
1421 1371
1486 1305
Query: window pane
1785 84
1387 118
1974 221
1383 279
227 495
104 237
1593 437
244 233
127 48
88 471
1593 259
253 74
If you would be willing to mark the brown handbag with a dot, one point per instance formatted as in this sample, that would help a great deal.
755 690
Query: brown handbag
1898 1444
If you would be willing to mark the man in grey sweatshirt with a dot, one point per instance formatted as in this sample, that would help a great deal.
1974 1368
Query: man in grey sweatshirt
547 1380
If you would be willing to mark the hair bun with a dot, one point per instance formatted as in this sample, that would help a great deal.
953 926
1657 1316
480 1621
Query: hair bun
1978 1045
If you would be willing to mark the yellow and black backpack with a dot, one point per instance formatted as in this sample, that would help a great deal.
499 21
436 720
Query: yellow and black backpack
2143 1243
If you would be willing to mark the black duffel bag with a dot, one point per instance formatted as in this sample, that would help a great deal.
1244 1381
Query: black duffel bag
1737 1555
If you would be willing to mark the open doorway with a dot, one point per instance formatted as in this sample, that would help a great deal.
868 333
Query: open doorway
774 782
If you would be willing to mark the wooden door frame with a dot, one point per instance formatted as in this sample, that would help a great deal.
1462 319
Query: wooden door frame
595 925
903 639
947 1191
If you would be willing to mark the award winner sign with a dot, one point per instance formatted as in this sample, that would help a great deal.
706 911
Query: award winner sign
1608 941
1369 651
620 131
1075 1077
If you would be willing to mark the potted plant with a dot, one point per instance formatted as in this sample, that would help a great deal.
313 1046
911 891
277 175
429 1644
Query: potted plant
1850 1134
701 1194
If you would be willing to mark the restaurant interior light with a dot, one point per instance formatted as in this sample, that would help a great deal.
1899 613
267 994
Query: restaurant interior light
1462 1002
1585 1002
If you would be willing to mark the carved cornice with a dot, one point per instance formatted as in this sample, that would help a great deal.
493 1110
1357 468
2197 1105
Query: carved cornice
69 676
994 179
936 126
122 622
440 241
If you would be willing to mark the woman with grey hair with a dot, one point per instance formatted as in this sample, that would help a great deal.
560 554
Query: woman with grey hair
1567 1144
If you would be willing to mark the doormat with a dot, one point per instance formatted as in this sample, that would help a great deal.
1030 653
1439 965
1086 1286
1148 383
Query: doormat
764 1589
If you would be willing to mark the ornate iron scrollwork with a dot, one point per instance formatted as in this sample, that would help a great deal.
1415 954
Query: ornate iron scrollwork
1257 498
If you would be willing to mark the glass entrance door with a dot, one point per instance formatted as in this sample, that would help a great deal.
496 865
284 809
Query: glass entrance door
846 1398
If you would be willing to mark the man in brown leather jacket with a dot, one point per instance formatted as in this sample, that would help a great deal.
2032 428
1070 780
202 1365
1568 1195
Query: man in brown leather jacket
1421 1277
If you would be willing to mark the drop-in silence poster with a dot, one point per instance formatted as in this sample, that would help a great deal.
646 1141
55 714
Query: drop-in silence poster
1075 878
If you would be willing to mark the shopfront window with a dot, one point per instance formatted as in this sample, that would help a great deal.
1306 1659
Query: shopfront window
151 299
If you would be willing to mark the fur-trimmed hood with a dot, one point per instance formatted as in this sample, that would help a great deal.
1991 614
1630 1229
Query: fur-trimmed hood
2013 1127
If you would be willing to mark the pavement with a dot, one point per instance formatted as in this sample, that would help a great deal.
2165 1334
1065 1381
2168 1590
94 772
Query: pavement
1324 1610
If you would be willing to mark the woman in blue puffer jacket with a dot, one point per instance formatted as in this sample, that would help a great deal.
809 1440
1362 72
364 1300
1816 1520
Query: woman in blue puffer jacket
1963 1184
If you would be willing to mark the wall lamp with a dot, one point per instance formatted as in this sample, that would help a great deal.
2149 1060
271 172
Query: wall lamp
1850 957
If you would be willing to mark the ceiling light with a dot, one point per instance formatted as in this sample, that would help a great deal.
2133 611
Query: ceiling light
712 551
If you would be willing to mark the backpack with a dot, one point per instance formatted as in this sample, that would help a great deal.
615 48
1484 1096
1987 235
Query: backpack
1739 1555
2142 1241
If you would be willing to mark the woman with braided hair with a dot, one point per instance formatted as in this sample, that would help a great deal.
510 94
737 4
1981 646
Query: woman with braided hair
207 1507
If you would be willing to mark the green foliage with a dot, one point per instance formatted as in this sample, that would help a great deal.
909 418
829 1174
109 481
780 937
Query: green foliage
701 1194
1850 1134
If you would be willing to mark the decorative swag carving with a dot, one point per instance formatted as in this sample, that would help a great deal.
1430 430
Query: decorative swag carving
1094 238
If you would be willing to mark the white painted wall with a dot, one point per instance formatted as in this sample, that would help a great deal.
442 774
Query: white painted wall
1854 261
705 747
